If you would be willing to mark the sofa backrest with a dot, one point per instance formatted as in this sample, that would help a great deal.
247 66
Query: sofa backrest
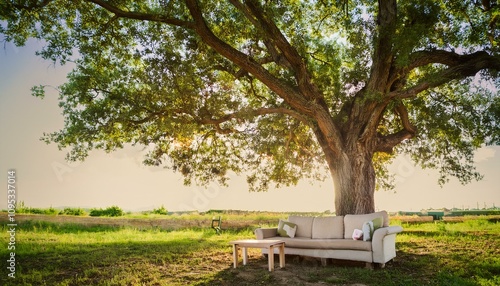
304 225
328 227
333 226
318 227
352 222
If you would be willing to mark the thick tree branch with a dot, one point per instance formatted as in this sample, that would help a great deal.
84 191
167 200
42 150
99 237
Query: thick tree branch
410 92
209 120
254 113
386 143
460 66
279 48
383 54
293 97
405 120
239 58
277 57
142 16
293 58
365 115
284 90
276 36
423 58
298 99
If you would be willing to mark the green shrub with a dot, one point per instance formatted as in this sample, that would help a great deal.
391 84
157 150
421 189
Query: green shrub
114 211
110 211
72 211
96 212
21 208
50 211
30 210
161 211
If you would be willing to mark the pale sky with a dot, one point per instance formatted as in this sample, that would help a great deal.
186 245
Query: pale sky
45 179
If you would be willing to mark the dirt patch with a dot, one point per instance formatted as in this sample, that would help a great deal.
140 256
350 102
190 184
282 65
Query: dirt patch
305 272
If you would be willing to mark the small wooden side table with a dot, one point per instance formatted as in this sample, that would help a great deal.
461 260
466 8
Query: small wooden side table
259 243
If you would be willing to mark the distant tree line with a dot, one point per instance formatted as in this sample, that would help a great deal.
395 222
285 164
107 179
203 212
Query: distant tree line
21 208
112 211
438 214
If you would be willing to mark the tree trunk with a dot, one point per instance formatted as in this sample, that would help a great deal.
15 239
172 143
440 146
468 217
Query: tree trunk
354 182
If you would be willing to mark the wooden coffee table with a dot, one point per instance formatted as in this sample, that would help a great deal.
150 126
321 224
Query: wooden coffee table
259 243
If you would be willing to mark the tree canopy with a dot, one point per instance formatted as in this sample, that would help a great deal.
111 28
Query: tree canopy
276 90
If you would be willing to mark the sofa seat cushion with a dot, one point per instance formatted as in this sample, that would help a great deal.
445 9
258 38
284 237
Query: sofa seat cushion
304 225
341 244
328 227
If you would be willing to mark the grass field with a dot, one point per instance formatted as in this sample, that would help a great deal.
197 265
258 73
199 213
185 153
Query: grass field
433 253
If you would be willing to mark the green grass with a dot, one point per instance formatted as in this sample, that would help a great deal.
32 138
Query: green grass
51 254
463 253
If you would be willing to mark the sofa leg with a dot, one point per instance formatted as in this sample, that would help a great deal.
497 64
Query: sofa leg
324 261
381 265
369 265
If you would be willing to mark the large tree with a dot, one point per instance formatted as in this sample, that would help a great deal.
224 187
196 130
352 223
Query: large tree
276 90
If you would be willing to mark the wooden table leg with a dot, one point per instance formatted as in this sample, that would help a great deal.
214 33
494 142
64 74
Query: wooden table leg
245 256
271 258
282 255
235 255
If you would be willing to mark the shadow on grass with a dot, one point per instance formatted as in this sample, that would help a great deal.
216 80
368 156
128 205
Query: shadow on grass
201 262
308 271
467 260
406 269
206 259
176 261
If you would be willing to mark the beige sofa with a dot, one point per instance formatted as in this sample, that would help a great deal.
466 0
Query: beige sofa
331 237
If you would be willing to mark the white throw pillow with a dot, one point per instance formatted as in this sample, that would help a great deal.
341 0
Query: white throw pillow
367 230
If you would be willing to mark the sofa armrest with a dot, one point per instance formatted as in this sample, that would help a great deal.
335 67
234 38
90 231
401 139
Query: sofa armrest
262 233
383 231
384 243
